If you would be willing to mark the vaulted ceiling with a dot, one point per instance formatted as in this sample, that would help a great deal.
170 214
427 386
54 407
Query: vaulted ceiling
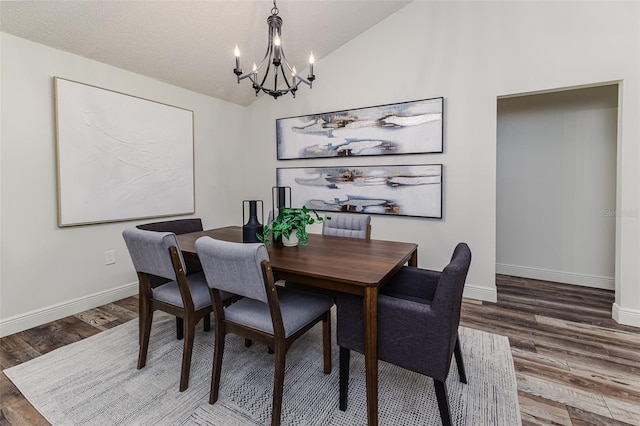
190 44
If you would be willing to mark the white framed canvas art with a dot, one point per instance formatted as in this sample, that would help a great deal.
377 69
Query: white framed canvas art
120 157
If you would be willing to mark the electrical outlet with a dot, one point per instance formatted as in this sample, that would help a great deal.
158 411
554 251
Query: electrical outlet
109 257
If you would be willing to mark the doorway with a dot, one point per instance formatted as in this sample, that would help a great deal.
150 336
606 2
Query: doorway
556 186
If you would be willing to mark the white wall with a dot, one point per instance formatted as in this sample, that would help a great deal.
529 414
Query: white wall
472 53
556 180
49 272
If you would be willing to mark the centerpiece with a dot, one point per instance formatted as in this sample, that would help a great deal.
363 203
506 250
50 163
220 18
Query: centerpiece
290 220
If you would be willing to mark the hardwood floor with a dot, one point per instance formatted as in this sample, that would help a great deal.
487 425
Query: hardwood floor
574 364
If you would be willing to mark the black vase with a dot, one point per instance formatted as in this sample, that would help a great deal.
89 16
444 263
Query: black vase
280 197
252 227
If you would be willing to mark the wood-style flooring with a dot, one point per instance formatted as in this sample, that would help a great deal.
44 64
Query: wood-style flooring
574 364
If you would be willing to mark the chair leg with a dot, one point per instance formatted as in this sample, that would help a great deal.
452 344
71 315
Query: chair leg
187 350
457 351
345 355
278 384
141 309
146 318
218 353
207 322
179 328
443 402
326 342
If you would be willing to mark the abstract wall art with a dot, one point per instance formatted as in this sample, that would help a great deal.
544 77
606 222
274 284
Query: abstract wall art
404 128
413 190
120 157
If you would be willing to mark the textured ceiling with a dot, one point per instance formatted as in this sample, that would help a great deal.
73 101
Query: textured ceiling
190 43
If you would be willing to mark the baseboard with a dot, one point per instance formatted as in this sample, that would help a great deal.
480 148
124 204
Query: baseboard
54 312
593 281
481 293
626 316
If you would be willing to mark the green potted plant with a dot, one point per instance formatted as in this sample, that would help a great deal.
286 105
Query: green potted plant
290 220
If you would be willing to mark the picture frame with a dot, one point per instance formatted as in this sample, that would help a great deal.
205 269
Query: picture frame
120 157
414 127
397 190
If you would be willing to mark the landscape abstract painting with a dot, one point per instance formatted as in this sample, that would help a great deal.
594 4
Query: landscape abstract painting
414 190
404 128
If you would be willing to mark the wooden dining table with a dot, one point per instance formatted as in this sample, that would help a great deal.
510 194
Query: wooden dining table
348 265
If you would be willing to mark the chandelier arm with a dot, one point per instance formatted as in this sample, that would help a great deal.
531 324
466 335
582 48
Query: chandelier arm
284 77
305 81
258 68
285 61
260 86
266 74
265 58
275 79
298 76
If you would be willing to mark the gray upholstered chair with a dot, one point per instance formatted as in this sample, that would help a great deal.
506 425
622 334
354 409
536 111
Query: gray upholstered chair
178 227
347 225
418 318
270 314
186 297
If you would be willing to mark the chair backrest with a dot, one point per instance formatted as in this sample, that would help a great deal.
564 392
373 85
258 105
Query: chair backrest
448 296
149 251
178 226
234 267
347 225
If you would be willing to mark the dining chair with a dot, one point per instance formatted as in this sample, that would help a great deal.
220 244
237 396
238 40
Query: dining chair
270 314
418 319
178 227
347 225
187 297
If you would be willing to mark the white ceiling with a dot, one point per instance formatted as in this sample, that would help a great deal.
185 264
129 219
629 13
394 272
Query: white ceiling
190 43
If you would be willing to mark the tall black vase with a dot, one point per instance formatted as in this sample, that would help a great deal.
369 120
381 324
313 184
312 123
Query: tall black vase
280 197
252 227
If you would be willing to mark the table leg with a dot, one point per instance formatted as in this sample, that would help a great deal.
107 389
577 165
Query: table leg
414 258
370 312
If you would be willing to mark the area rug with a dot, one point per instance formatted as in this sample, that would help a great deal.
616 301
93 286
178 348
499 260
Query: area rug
95 382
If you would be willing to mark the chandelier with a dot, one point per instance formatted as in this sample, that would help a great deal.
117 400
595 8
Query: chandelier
275 56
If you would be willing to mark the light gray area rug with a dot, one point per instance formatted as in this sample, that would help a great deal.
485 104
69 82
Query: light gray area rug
95 382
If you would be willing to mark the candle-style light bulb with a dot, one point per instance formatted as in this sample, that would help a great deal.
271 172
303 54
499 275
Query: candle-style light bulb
237 53
276 54
255 76
293 75
311 61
